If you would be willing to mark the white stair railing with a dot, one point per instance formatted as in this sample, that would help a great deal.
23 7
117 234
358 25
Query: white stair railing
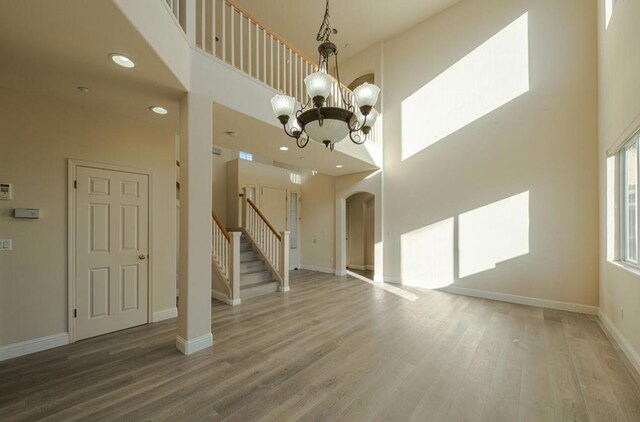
228 33
225 253
271 244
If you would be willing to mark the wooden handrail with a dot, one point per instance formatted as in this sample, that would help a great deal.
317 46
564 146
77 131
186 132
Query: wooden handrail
219 223
268 31
275 232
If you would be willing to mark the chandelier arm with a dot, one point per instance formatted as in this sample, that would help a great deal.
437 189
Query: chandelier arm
304 107
289 134
356 128
359 142
302 142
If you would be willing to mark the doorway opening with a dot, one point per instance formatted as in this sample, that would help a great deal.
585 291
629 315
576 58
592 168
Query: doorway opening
360 234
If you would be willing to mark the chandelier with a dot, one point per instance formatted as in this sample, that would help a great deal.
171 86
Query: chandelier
318 121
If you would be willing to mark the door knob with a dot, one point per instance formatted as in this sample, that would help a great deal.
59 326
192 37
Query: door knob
142 256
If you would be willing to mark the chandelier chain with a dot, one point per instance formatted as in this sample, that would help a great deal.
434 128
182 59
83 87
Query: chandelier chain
325 29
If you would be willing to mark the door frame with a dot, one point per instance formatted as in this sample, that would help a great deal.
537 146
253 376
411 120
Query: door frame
72 165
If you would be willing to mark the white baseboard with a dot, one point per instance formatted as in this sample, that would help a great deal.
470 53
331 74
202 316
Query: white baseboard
165 314
32 346
223 298
624 344
369 267
357 267
523 300
284 289
327 270
195 345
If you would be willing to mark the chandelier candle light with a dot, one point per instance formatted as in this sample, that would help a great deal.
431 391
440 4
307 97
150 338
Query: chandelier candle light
315 120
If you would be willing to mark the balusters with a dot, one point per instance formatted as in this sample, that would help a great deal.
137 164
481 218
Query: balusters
213 27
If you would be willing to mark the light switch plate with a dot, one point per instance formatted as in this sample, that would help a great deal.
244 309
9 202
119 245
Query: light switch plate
6 244
5 191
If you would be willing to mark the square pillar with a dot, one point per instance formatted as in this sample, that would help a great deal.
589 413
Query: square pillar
194 306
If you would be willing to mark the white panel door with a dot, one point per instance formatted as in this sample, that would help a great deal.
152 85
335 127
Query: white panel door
112 245
273 204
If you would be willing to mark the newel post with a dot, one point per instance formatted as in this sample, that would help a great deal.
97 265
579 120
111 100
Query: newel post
284 261
234 267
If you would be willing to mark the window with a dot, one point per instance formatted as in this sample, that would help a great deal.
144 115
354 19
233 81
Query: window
293 220
629 199
246 156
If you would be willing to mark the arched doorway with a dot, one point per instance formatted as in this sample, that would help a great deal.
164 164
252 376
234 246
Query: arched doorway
360 234
368 78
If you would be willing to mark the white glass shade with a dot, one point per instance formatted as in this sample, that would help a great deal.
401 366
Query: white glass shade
366 95
318 85
283 105
293 125
371 118
331 130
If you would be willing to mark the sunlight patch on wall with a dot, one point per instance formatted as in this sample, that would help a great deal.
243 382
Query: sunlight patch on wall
492 234
608 12
427 255
490 76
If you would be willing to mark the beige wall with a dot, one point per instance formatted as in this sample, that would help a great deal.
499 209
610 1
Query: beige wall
619 117
37 136
526 162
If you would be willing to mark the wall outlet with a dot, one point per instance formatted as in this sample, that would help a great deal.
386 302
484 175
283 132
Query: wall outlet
6 245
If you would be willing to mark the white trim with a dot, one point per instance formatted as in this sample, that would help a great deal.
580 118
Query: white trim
188 347
328 270
357 267
223 298
284 289
72 165
370 267
623 343
523 300
164 314
32 346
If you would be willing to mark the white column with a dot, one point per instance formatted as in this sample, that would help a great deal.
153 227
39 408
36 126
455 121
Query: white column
341 242
194 308
284 261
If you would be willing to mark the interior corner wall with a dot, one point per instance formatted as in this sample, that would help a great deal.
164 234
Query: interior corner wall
219 182
619 118
38 135
537 149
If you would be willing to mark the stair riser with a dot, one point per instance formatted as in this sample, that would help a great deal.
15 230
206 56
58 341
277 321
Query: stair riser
246 279
259 290
249 267
248 256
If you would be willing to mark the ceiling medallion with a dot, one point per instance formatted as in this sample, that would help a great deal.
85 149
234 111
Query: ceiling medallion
319 121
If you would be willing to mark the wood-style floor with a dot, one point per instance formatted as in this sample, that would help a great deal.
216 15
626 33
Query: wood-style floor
337 348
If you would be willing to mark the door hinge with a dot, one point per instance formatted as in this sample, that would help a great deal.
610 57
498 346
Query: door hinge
75 313
75 184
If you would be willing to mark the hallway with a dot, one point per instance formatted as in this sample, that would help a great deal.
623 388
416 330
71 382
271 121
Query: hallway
337 348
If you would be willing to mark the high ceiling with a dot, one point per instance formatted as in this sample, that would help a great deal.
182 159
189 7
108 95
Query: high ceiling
360 23
51 47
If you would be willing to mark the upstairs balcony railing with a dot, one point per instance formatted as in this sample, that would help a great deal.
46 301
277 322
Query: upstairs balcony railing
228 33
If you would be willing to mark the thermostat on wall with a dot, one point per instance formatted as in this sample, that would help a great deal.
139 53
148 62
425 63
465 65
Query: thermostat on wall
26 213
5 191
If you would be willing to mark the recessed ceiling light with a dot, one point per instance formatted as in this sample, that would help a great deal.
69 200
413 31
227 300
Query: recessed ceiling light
83 89
158 110
339 166
284 149
121 60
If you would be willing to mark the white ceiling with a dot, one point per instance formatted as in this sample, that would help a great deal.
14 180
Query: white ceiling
51 47
360 23
264 140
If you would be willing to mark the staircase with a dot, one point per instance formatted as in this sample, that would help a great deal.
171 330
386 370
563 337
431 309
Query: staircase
255 278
